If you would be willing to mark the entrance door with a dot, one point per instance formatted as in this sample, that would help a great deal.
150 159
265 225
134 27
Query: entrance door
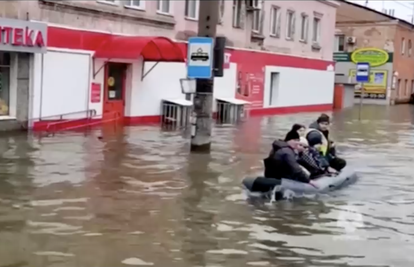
115 78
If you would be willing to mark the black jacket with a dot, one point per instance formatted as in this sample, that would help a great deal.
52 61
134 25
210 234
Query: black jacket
316 138
282 163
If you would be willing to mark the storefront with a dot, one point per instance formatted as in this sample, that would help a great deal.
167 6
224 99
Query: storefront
19 40
378 89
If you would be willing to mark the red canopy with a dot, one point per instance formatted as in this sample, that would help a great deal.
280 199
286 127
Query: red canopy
132 47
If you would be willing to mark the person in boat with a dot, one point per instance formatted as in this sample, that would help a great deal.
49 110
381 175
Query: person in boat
319 130
312 160
282 161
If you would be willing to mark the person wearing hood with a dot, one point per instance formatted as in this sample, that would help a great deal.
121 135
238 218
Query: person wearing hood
282 161
317 132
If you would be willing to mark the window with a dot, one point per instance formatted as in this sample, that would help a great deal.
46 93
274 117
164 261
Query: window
316 36
412 86
275 21
237 14
221 11
164 6
257 16
409 48
191 9
304 28
407 89
339 43
136 3
4 83
402 46
290 24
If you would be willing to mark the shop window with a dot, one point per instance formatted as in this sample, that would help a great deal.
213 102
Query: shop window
4 83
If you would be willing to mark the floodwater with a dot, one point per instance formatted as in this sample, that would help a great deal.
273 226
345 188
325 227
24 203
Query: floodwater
135 196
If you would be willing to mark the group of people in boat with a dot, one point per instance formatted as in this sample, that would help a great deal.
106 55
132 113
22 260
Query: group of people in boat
305 153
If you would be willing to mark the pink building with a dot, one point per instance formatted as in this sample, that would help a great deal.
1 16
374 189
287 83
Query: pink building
279 56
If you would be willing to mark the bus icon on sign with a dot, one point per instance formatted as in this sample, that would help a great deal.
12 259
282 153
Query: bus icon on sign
199 55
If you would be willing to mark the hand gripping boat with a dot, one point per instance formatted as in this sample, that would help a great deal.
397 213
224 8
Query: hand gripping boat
319 185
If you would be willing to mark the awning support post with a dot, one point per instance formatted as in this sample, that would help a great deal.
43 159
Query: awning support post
97 71
144 74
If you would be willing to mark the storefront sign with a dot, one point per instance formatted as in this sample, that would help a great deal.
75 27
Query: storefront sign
95 93
376 88
23 36
360 56
374 56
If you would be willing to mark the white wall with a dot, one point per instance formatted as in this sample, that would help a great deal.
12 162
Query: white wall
61 84
163 82
299 87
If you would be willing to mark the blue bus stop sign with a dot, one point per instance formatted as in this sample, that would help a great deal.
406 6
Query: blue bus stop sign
200 58
362 72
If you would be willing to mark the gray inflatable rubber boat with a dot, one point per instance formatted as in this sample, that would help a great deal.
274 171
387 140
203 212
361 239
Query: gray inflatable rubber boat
319 185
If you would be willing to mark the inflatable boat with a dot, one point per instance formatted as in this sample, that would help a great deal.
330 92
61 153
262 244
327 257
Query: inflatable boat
319 185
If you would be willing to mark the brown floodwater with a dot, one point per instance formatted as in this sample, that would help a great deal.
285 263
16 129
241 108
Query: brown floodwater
136 196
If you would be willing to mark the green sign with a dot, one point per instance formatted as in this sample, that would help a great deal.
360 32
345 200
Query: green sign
376 57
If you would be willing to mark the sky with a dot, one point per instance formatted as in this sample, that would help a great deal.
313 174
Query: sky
403 9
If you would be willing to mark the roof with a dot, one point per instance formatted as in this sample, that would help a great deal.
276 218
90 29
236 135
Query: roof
377 12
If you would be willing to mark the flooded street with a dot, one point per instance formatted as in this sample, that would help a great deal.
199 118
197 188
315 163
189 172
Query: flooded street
135 196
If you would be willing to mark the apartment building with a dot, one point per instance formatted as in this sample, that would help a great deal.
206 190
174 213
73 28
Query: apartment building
269 45
382 39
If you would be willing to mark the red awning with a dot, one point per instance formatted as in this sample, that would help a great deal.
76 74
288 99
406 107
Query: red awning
132 47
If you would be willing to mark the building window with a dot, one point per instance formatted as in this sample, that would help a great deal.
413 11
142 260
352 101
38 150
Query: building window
412 86
237 14
164 6
290 25
136 3
191 9
304 28
4 83
109 2
410 48
402 46
275 21
339 43
316 36
221 10
257 17
407 89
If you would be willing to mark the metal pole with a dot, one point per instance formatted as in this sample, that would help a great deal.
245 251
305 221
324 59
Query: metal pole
203 99
361 100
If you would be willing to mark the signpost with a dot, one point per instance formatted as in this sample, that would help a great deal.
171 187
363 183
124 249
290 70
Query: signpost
362 76
200 58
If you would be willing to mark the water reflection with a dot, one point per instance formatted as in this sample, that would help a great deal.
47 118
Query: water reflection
135 196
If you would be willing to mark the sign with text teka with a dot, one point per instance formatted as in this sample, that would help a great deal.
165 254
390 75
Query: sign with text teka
23 36
200 58
362 72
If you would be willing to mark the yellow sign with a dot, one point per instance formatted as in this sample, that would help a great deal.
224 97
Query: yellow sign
111 81
377 85
374 56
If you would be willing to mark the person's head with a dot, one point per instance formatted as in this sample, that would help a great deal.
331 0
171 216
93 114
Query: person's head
323 122
299 128
315 141
303 144
292 139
